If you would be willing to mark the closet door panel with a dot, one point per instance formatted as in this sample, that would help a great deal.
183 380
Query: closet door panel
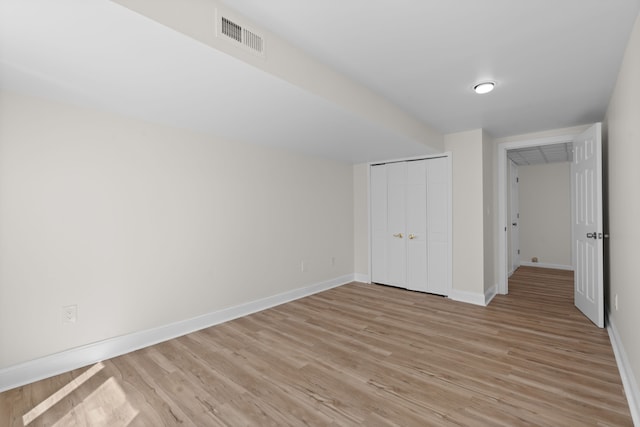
396 228
378 176
410 224
438 225
416 225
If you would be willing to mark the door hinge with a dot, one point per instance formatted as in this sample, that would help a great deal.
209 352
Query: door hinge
518 251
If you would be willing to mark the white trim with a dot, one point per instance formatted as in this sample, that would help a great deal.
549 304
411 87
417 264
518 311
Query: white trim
468 297
450 220
405 159
47 366
474 297
546 265
369 232
360 277
503 283
626 373
490 293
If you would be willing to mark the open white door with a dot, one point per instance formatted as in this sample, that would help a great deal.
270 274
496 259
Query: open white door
586 176
514 215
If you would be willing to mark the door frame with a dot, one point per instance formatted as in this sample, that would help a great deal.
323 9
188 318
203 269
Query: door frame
503 220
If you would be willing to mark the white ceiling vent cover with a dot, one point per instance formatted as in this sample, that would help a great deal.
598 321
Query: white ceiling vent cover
231 30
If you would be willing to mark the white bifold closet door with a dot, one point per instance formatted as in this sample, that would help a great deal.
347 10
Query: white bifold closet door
410 217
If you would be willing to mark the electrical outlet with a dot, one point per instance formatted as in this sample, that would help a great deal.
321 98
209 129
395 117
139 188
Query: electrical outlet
70 314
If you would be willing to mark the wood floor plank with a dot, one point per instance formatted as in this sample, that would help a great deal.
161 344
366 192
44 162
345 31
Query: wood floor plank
357 355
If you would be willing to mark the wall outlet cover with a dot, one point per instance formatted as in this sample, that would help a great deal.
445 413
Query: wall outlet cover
70 314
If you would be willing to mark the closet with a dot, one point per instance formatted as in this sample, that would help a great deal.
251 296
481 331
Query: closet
410 211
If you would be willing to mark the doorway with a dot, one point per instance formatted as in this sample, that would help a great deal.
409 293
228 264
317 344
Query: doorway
505 221
587 232
540 207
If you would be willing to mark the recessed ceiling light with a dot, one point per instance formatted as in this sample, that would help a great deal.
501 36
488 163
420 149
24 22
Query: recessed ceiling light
484 87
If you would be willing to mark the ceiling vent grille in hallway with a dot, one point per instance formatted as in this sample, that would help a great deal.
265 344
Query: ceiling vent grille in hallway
552 153
240 35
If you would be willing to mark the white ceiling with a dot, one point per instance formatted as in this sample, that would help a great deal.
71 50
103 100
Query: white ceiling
555 61
555 64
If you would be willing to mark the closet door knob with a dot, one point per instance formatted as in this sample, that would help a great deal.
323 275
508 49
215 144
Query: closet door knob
412 236
399 235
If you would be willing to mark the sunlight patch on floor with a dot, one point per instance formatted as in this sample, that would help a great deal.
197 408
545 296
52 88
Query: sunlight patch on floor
105 406
56 397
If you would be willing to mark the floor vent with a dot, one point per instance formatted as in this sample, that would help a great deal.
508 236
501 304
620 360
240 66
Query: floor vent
240 35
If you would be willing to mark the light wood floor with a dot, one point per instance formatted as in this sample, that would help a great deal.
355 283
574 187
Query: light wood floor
357 355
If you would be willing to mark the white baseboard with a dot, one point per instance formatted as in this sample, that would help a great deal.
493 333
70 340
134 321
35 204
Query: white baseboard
360 277
474 297
628 379
468 297
48 366
546 265
490 293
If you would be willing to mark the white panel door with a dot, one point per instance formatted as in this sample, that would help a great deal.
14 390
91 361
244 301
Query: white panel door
438 216
411 224
378 207
396 223
514 211
416 239
587 224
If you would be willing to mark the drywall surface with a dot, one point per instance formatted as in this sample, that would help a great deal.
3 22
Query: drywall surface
195 18
468 220
624 202
545 213
361 219
141 225
488 210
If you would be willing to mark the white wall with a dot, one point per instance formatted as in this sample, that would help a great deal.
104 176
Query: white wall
195 19
488 209
468 218
623 149
142 225
545 213
361 220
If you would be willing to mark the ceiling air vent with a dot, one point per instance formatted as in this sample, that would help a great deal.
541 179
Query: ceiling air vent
240 35
231 29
